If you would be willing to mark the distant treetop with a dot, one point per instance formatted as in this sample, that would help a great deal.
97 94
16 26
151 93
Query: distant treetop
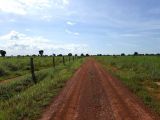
70 54
135 53
3 53
41 52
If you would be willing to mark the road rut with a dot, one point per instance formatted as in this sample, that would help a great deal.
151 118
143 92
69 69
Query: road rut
93 94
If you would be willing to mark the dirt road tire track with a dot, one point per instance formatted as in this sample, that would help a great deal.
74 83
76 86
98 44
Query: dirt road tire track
93 94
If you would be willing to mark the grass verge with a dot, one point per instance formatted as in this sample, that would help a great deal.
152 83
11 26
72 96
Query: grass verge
30 103
139 73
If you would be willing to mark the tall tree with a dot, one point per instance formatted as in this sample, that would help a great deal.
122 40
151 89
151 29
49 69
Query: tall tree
123 54
60 55
70 54
82 54
135 53
3 53
87 55
41 52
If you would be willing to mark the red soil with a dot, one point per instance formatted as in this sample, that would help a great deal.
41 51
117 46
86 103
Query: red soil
93 94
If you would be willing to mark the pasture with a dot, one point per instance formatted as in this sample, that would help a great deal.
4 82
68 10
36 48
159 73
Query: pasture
21 98
11 67
140 73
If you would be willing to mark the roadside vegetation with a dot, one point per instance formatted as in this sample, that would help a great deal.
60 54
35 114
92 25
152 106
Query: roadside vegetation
11 67
140 73
22 99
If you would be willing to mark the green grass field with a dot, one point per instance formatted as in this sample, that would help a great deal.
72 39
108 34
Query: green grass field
11 67
139 73
22 99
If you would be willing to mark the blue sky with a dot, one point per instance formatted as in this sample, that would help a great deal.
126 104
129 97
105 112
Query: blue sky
79 26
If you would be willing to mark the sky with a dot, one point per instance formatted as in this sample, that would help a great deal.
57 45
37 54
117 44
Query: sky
79 26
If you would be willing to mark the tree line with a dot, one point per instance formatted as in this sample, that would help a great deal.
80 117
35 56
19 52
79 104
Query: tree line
134 54
41 53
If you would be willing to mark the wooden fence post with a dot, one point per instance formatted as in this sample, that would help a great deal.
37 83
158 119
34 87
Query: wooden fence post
54 62
63 61
32 70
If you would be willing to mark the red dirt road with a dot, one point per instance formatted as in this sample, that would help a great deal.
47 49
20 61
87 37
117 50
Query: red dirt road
93 94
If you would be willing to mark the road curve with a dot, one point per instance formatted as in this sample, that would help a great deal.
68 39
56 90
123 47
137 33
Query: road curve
93 94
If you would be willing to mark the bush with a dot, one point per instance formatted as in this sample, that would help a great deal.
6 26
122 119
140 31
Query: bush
11 67
2 72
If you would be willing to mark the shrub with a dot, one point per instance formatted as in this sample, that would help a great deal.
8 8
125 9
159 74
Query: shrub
2 72
11 67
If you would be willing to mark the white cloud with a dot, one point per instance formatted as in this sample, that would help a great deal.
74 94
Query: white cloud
12 20
72 33
46 17
130 35
31 7
19 43
12 6
68 31
27 29
70 23
65 2
21 7
76 33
